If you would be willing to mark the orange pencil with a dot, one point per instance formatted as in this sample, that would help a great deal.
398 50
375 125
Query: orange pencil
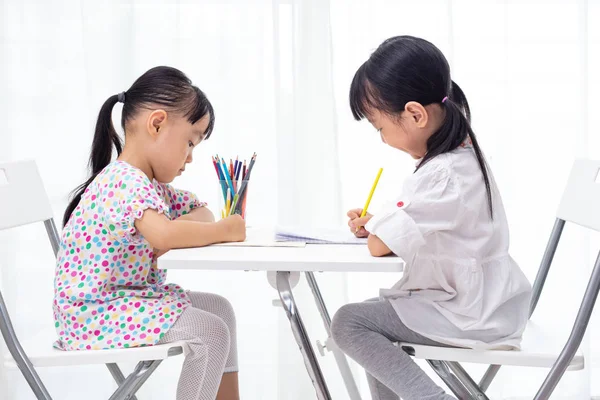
231 174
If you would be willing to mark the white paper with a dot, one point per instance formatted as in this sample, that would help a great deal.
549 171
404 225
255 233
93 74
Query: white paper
265 243
257 237
317 236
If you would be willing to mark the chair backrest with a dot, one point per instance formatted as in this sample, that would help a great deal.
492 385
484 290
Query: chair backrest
23 199
581 199
580 204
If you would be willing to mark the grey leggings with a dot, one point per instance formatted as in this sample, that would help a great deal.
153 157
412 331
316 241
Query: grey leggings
209 328
367 332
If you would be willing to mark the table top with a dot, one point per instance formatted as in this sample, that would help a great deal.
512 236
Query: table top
312 257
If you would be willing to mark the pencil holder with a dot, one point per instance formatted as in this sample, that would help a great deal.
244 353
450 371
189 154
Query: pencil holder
235 201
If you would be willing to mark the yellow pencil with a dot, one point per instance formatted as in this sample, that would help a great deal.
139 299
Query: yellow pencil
228 202
364 211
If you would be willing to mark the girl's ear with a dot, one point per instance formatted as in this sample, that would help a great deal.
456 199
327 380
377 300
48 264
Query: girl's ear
156 120
416 113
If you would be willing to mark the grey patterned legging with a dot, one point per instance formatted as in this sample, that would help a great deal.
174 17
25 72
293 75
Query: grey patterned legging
208 326
367 333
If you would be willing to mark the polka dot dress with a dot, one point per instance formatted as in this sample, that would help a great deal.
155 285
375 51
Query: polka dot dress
108 290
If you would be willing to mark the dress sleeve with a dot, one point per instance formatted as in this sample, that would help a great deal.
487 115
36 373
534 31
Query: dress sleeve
180 202
125 200
430 203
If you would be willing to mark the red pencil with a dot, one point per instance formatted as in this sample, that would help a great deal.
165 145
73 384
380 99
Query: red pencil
244 204
216 168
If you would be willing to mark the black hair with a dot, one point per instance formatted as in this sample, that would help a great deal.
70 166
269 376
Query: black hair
404 69
162 86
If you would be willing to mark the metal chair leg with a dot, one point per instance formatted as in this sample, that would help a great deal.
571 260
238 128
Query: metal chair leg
540 279
579 328
340 357
475 391
115 371
134 381
457 380
140 382
18 354
301 336
489 376
52 235
453 383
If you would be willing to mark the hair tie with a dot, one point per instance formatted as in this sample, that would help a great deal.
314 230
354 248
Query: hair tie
444 99
121 97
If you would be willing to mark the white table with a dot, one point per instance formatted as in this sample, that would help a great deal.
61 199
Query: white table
283 263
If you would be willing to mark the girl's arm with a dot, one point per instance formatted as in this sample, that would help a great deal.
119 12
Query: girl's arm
376 247
165 234
200 214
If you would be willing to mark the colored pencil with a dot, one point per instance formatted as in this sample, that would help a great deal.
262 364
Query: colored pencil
364 211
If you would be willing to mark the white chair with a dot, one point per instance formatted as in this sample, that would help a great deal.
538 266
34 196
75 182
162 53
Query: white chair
581 205
24 201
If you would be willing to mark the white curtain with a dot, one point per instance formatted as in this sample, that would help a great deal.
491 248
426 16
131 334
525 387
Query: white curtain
278 74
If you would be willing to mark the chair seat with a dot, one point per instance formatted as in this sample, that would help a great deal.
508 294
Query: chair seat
42 354
540 348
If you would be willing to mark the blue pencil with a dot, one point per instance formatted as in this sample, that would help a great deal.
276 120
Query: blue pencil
227 177
239 169
221 177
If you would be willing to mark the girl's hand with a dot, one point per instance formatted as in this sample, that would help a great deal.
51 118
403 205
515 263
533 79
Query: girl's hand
234 228
356 221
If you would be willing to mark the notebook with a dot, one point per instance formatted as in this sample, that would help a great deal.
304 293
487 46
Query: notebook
317 235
